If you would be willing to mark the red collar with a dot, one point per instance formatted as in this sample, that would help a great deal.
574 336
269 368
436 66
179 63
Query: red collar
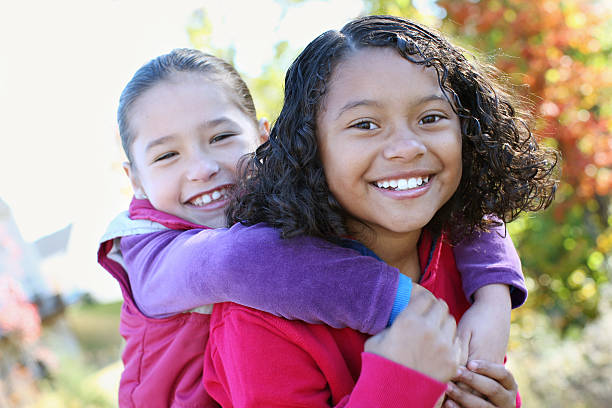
143 210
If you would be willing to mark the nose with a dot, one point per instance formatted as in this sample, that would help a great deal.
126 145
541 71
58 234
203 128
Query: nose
404 145
201 167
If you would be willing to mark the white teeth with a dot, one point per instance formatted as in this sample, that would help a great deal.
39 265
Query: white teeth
403 184
208 198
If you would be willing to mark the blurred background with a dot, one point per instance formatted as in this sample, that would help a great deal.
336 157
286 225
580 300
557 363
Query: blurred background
64 64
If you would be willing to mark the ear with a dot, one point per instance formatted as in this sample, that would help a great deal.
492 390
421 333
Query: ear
134 181
264 130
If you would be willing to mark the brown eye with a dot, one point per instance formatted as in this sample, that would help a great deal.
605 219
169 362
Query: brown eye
365 125
221 137
430 119
165 156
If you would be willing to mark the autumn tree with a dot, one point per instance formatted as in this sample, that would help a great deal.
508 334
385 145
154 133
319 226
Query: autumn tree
559 54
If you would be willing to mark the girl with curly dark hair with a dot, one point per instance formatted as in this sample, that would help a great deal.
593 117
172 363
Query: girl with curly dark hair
391 136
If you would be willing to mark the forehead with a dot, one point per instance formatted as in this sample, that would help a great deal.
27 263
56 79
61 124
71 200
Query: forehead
180 87
180 103
371 70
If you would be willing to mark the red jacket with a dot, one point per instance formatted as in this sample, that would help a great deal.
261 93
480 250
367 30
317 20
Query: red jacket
162 357
255 359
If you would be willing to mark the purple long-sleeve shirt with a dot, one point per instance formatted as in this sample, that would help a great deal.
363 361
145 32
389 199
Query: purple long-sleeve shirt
305 278
487 258
302 278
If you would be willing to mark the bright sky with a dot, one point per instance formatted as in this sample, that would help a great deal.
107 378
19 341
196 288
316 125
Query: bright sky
64 64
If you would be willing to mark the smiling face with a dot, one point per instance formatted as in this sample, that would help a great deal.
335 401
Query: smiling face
389 141
189 136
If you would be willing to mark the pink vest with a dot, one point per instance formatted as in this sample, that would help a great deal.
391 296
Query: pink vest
163 358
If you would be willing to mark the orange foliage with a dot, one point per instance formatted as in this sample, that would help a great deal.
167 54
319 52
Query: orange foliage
569 74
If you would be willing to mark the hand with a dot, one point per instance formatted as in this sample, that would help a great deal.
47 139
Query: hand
493 381
485 326
422 337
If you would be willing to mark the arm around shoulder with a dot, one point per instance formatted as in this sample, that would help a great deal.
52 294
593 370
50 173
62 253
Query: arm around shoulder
303 278
490 258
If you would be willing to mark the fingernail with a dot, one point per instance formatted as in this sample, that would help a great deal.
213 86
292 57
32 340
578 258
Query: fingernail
473 365
460 371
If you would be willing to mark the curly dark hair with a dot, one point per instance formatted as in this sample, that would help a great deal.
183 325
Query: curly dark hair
505 170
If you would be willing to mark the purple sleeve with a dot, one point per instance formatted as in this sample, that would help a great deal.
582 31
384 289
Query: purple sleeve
488 258
301 278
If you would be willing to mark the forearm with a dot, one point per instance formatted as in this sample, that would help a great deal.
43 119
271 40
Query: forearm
495 294
485 327
303 278
496 299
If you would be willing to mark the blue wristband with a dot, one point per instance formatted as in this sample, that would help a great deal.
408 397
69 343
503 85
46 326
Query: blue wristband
402 297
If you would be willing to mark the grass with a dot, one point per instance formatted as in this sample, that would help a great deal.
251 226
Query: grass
96 327
86 345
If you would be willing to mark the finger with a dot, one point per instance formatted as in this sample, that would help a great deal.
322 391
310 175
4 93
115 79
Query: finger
463 386
450 404
467 388
495 371
466 399
488 387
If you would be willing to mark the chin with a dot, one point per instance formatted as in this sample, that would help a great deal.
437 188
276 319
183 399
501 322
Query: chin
210 223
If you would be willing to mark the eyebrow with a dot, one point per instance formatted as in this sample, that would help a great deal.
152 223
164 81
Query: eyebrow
158 141
370 102
354 104
216 122
431 98
204 125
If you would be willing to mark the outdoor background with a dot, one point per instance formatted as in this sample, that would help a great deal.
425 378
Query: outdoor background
64 64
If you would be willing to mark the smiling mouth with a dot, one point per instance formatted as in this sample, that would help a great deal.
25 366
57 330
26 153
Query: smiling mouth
402 184
209 197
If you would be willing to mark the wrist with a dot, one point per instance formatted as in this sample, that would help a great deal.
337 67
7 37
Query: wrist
402 297
494 293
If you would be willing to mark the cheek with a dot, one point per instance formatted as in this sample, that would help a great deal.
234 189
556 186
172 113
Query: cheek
332 168
455 162
159 187
343 180
231 159
459 155
339 155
